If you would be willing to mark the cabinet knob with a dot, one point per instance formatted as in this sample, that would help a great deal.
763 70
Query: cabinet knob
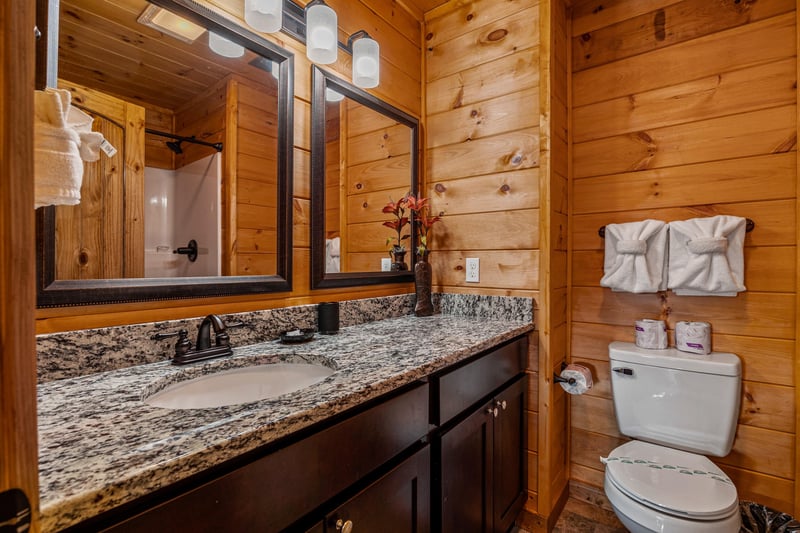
502 405
492 411
345 526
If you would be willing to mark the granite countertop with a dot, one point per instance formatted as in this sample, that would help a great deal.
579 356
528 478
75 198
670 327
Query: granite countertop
100 446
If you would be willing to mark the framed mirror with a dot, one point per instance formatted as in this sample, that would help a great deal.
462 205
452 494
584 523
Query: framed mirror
196 200
364 154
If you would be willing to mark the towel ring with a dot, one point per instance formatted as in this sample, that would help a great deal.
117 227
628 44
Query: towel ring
749 226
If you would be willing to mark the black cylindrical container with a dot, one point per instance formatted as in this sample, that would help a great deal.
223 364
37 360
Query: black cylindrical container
328 317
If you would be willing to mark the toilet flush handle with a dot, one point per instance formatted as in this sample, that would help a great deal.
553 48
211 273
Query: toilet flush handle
623 370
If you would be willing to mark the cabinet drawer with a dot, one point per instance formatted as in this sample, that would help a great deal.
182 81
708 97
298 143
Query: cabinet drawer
273 492
462 387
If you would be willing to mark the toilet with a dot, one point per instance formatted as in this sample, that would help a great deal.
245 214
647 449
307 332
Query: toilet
678 407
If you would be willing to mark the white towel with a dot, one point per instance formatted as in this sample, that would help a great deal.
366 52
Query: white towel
635 257
63 139
706 256
332 252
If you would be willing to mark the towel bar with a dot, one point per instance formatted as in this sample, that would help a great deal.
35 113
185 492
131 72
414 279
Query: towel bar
748 227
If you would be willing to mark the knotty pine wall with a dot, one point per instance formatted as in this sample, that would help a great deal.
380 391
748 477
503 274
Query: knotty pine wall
499 177
686 109
399 35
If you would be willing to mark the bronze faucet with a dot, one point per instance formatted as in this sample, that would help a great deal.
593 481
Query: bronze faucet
184 353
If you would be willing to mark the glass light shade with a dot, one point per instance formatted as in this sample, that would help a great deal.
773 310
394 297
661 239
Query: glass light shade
264 15
366 63
321 34
223 46
333 96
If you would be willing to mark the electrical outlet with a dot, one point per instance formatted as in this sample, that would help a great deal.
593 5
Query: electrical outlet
473 270
386 264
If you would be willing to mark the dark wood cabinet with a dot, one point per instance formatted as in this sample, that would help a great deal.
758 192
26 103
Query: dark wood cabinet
273 492
482 469
399 502
445 454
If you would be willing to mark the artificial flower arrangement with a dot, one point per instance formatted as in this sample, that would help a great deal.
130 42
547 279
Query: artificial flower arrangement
418 209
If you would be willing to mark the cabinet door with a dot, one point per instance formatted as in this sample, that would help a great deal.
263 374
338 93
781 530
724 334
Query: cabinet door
510 465
398 502
466 473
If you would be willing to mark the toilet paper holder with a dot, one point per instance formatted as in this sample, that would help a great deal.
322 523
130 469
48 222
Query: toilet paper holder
559 379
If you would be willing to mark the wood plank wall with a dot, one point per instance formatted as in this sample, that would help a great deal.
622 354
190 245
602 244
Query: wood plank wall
488 146
681 109
18 433
551 321
376 160
399 35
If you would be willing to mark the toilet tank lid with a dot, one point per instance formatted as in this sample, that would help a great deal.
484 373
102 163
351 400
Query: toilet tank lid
717 363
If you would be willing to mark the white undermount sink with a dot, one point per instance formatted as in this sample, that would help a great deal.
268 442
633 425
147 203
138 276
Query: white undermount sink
239 385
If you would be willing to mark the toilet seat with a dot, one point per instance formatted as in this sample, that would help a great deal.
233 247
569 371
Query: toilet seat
671 481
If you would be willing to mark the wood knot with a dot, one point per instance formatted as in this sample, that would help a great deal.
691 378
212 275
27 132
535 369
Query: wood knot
474 113
364 205
497 35
505 188
358 186
83 258
470 17
660 25
429 36
598 9
459 267
516 159
586 37
439 188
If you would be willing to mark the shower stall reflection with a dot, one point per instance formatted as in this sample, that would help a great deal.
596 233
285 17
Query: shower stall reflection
181 205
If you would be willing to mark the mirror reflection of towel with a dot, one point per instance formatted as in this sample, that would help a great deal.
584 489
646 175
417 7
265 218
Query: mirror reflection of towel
63 140
332 252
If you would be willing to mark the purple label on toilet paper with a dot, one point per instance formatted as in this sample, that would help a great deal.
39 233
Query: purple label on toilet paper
694 345
639 328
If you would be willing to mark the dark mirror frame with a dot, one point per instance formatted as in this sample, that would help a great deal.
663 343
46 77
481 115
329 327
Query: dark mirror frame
51 292
322 80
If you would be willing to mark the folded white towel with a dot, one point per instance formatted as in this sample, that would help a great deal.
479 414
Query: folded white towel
635 257
63 139
332 252
706 256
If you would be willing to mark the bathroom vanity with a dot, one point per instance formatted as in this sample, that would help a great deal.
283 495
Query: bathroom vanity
421 427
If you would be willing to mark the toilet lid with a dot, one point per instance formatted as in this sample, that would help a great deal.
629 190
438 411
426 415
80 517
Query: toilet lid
675 482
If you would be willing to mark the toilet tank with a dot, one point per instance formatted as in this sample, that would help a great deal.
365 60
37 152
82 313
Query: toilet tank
677 399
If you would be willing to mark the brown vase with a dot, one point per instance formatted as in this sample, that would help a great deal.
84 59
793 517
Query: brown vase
423 278
398 259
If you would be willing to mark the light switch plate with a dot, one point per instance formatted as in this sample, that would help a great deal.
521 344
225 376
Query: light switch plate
473 270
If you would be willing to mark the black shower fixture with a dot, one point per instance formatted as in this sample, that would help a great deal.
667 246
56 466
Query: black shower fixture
175 144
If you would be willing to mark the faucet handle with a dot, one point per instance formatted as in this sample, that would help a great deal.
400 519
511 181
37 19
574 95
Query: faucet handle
182 345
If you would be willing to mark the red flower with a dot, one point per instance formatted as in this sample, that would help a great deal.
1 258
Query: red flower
398 209
424 222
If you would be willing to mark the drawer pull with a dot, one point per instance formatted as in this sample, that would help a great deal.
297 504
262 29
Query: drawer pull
344 526
502 405
492 411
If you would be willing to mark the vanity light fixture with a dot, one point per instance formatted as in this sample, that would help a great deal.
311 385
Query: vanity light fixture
366 59
170 24
222 46
321 33
264 15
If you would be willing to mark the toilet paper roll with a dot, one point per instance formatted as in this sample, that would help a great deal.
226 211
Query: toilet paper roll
651 334
578 379
693 337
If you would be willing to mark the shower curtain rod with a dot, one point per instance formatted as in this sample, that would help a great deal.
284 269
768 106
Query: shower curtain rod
216 146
